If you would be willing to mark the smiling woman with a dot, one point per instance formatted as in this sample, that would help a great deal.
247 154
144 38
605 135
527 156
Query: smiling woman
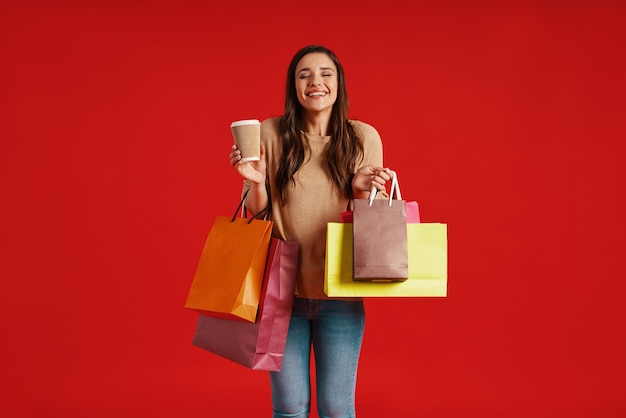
313 161
316 86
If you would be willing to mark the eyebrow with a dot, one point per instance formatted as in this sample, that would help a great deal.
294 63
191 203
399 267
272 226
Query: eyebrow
321 68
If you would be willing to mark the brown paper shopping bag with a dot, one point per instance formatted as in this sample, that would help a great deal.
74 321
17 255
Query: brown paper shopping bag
380 237
412 213
229 275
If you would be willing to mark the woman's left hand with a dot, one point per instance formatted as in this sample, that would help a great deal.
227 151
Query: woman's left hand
367 177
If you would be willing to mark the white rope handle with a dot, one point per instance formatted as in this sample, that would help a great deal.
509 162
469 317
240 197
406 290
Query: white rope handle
395 187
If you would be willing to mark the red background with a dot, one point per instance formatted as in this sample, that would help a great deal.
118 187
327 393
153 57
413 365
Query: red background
505 120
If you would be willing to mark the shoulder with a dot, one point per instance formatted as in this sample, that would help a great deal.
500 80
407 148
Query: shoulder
270 131
270 125
366 131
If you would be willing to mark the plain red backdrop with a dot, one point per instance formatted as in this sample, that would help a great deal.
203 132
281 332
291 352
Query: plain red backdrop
505 120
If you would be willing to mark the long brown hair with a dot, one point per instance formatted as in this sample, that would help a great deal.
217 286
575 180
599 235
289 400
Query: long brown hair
345 147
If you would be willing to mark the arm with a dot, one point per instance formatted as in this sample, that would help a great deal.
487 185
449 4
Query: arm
254 174
371 173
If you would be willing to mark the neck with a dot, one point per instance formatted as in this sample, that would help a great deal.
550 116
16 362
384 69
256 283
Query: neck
316 123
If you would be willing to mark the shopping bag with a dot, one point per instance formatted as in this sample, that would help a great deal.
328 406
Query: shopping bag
380 237
411 208
229 276
427 246
259 345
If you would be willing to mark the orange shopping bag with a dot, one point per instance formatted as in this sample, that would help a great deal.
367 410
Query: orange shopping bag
228 280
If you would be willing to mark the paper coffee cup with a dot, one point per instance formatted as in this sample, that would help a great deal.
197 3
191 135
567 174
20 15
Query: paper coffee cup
247 137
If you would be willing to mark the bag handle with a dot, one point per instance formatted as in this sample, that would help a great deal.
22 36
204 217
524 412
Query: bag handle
395 187
244 213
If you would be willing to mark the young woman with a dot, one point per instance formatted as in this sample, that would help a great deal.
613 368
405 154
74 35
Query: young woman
314 160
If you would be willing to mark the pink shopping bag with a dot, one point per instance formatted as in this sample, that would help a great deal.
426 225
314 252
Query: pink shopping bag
259 345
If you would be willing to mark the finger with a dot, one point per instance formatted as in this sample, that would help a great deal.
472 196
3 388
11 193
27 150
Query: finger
385 174
380 187
380 177
368 170
234 157
376 170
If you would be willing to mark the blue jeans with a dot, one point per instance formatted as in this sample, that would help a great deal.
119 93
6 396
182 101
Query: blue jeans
334 328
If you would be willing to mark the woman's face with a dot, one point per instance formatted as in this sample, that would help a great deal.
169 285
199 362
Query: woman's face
316 82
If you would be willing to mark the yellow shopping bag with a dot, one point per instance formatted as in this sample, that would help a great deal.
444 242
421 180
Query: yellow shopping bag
427 245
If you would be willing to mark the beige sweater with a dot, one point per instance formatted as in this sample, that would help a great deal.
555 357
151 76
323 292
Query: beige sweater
312 202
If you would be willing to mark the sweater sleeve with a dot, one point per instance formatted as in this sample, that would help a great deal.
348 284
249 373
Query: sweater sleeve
372 149
372 144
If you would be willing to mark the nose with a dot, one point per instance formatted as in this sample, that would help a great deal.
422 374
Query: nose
316 80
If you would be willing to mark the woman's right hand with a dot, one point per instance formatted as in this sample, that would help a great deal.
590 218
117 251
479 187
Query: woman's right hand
254 171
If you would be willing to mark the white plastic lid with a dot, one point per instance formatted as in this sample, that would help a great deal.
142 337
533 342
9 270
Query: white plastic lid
245 122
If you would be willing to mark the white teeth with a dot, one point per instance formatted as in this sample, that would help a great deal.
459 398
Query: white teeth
317 94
